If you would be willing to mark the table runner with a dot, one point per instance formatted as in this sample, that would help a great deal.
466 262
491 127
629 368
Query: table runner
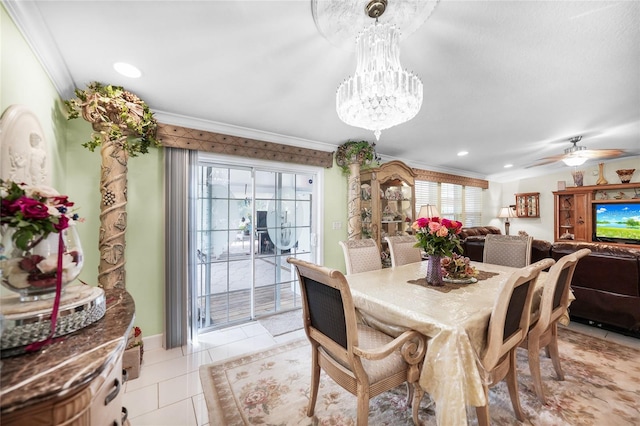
448 286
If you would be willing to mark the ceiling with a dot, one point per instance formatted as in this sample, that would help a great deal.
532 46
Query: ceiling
508 81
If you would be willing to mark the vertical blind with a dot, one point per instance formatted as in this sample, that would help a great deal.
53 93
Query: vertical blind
456 202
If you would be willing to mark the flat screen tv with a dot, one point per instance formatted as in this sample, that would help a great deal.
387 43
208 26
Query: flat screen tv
617 222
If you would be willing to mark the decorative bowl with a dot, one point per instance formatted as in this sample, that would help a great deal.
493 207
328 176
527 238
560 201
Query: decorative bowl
625 175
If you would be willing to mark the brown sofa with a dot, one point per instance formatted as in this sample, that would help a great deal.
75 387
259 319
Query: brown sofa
472 242
606 284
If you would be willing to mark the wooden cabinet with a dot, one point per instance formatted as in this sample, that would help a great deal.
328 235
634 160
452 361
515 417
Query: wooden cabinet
572 217
573 208
387 202
528 204
77 380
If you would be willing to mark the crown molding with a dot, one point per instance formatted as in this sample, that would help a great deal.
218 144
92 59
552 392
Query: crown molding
242 132
27 17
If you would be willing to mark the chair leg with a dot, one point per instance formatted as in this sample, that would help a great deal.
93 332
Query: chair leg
483 412
418 393
315 381
553 351
512 385
362 417
534 367
409 401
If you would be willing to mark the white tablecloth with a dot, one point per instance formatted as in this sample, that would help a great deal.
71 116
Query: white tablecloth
455 323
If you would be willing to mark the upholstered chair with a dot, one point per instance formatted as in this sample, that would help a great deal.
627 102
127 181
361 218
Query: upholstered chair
508 327
507 250
361 255
543 331
364 361
402 250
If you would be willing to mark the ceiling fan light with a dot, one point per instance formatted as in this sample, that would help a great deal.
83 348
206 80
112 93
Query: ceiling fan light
574 161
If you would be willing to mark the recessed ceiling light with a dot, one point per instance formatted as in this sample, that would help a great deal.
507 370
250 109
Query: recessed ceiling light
127 70
462 153
506 166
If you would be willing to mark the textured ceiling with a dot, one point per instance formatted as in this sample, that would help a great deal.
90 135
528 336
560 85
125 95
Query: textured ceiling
508 81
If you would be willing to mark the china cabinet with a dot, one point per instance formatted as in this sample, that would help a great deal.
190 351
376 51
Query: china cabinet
387 200
528 204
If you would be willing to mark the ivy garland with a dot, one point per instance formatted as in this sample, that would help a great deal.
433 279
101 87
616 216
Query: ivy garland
362 152
116 113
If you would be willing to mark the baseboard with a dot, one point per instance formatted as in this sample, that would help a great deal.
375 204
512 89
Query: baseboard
152 342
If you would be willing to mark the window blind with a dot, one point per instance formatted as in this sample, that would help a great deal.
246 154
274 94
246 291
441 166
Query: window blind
457 202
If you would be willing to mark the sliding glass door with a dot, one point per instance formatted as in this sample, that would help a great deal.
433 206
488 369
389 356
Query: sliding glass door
249 220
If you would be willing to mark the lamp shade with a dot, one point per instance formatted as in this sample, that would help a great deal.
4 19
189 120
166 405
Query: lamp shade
507 212
574 160
428 211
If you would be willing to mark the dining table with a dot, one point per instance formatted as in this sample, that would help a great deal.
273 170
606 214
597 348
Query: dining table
453 317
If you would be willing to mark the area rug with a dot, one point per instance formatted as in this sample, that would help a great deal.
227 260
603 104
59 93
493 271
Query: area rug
271 387
283 323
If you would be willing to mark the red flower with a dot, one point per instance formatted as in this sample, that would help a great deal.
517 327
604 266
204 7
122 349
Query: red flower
63 223
32 209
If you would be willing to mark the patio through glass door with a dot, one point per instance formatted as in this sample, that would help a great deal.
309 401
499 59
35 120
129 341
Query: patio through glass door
249 221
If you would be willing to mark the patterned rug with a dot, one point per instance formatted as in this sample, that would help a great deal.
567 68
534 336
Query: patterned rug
601 387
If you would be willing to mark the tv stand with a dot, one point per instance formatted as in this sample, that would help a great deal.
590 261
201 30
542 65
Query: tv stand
574 213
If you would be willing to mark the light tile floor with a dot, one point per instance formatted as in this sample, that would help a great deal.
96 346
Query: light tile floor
168 391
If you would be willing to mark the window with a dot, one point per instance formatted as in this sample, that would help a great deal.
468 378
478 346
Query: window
456 202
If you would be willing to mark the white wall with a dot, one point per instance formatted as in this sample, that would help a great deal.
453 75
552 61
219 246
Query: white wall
503 194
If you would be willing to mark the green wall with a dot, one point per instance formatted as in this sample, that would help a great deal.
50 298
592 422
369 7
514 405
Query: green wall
23 81
76 172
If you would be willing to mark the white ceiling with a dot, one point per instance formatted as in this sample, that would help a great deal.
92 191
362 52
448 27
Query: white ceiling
508 81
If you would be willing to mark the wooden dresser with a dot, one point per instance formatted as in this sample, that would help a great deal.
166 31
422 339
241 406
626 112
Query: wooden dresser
74 381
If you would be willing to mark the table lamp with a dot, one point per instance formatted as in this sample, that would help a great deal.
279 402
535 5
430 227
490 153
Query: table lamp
507 212
428 211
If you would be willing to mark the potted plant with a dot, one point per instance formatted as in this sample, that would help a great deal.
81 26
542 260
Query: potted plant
124 127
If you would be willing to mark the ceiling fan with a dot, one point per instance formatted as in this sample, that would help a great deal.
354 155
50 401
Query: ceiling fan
576 155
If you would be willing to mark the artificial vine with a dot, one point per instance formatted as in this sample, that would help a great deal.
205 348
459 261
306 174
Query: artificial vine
361 152
115 113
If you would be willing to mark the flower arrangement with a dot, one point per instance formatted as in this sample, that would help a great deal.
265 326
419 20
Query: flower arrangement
458 267
33 212
30 215
437 236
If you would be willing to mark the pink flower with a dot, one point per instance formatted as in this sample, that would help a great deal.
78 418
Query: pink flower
442 232
421 222
435 227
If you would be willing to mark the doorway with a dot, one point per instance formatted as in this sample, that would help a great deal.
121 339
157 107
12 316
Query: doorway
249 220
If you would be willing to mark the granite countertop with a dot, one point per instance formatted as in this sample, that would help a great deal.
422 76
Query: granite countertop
71 362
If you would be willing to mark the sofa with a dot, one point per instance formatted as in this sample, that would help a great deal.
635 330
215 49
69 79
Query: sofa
472 242
606 284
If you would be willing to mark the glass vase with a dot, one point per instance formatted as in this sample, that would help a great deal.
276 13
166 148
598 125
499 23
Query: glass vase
33 273
434 271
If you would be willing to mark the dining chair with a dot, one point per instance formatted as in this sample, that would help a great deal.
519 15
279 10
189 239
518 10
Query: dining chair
507 250
362 360
361 255
508 327
543 330
402 250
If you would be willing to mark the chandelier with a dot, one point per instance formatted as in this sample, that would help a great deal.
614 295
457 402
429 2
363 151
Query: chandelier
380 94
